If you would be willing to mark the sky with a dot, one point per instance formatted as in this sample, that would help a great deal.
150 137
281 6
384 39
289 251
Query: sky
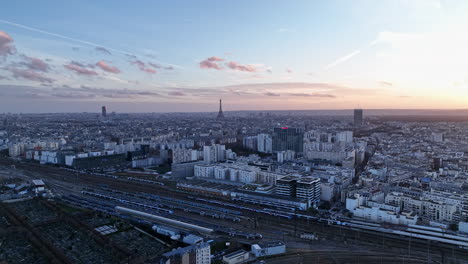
183 56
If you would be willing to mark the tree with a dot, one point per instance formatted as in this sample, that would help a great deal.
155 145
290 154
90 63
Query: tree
453 227
325 205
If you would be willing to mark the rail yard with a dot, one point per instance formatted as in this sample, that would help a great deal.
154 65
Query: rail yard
244 223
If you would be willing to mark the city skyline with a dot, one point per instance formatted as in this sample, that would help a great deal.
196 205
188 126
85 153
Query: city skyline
255 56
266 131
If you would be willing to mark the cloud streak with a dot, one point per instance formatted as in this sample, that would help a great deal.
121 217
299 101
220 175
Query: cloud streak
28 74
383 83
105 67
75 40
35 64
103 50
158 66
239 67
176 93
142 66
80 69
215 63
111 93
342 59
318 95
59 36
78 93
288 89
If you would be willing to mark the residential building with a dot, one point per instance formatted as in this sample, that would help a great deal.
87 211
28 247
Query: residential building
193 254
264 143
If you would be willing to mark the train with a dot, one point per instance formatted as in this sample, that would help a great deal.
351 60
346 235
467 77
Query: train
420 232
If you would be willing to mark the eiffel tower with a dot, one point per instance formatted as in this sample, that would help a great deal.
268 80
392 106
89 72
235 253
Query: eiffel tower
220 114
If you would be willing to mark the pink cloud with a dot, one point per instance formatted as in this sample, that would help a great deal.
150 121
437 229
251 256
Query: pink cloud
149 70
214 58
79 68
236 66
35 64
105 67
6 44
142 66
28 75
211 63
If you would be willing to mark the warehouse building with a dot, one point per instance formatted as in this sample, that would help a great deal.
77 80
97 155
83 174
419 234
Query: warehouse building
268 249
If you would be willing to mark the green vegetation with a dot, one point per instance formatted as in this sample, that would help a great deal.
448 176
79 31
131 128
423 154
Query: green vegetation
325 205
162 169
71 210
453 227
218 246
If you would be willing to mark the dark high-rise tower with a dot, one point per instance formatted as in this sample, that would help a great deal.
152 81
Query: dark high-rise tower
220 113
287 138
104 111
358 117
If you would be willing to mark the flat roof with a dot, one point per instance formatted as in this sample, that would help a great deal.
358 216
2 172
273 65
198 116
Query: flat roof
271 244
235 254
269 195
185 249
308 180
38 182
287 178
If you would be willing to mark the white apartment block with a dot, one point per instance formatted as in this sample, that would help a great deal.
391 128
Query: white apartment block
247 176
264 143
345 136
180 155
204 171
214 153
431 209
379 212
236 172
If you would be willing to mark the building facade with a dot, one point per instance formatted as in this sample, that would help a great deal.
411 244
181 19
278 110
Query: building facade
358 117
286 138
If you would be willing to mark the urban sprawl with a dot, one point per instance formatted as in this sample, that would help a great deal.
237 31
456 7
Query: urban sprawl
232 187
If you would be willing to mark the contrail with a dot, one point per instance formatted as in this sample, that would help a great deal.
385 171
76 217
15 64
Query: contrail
71 39
342 59
349 56
62 36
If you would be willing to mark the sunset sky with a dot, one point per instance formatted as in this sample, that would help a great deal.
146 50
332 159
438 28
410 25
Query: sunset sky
167 56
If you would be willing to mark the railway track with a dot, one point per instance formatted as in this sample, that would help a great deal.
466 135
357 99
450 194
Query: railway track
261 223
333 257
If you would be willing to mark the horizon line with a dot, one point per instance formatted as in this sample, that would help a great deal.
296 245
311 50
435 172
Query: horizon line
231 111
